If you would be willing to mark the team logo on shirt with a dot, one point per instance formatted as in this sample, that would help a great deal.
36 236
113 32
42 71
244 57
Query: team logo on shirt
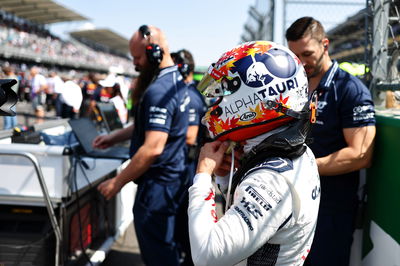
363 112
270 193
258 198
321 105
251 208
157 115
244 217
315 192
277 164
192 114
184 103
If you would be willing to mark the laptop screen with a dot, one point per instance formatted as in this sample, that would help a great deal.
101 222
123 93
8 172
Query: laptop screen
85 131
110 116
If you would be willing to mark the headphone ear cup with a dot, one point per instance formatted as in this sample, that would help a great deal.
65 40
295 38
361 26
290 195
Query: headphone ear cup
154 54
184 69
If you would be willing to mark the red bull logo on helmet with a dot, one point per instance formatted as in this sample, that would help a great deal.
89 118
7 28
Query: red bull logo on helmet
260 69
257 72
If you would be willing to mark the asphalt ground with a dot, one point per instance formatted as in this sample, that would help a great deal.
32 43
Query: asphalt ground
125 251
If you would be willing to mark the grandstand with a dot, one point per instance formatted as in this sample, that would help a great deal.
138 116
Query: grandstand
351 40
25 39
347 40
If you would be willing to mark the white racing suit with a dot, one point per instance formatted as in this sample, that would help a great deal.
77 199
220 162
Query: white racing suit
271 221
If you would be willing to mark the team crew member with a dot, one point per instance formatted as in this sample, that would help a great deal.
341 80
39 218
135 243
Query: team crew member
342 140
197 108
194 138
157 148
263 103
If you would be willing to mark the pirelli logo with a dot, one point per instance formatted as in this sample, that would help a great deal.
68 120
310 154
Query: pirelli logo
258 198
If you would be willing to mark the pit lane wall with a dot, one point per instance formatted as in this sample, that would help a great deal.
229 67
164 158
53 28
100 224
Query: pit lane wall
381 234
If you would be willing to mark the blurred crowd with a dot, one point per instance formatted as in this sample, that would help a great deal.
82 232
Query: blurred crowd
30 40
65 94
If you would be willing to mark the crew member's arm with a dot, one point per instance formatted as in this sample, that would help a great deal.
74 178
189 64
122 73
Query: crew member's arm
152 147
105 141
191 135
357 155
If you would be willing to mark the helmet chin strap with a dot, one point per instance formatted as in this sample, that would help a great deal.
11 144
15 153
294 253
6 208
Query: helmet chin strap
280 108
228 195
311 113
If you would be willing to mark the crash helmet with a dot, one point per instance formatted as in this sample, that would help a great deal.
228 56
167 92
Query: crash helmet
255 87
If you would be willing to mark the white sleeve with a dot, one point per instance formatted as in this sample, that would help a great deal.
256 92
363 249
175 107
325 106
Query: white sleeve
42 80
72 94
262 202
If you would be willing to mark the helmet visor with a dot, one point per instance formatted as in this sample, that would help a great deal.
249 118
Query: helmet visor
214 84
210 88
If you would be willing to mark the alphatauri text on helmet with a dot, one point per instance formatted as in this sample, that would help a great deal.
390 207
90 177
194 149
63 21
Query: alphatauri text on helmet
258 96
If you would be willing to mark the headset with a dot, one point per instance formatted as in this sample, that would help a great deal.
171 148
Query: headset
184 64
154 52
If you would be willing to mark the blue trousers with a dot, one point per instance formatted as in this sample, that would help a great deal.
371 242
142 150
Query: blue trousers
332 240
156 215
10 122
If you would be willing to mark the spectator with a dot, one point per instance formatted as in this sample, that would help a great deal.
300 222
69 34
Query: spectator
89 87
38 88
24 89
343 140
50 94
111 92
272 217
89 84
131 99
106 91
55 85
157 148
70 98
10 121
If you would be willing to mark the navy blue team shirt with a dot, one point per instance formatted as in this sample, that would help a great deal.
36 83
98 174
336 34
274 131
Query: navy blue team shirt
197 109
164 108
343 102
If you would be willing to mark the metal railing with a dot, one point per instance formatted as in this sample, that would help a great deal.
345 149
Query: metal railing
385 47
46 196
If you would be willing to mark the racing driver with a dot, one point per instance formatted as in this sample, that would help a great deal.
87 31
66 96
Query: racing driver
261 104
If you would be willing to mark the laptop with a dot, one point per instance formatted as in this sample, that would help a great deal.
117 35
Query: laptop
85 131
110 116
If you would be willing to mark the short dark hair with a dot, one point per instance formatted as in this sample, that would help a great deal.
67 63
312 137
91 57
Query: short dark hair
184 57
8 69
305 26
